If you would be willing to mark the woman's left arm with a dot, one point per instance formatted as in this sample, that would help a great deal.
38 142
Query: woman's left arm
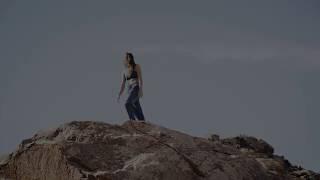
140 78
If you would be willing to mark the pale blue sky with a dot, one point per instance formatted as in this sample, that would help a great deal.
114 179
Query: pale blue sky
224 67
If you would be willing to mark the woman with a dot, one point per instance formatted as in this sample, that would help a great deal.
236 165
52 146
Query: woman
132 75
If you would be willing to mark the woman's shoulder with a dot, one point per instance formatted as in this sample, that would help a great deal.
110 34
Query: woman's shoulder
125 71
138 66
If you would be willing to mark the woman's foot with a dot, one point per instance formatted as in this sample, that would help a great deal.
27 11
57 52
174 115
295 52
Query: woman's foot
142 121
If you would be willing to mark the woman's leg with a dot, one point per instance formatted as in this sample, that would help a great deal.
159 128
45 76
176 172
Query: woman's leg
138 111
132 97
130 110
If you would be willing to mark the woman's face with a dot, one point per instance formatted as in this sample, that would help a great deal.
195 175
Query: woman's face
126 61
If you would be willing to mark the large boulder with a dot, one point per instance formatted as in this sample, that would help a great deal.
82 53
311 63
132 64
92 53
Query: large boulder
133 150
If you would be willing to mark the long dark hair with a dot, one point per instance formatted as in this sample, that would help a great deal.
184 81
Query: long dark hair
131 60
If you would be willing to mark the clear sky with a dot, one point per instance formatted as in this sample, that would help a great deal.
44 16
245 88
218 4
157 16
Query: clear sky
222 67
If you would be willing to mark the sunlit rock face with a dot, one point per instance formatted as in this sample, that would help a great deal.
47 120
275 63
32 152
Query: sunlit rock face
143 151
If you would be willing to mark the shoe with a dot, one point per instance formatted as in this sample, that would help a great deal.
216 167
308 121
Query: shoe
142 121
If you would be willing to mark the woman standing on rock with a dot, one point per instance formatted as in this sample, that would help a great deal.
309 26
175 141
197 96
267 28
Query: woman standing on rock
132 75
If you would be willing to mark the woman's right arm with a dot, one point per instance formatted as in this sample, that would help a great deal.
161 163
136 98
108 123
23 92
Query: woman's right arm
122 85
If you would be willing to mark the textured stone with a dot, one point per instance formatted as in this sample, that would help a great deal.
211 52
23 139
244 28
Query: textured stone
137 151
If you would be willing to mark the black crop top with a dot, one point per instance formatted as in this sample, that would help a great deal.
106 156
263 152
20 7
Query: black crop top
134 74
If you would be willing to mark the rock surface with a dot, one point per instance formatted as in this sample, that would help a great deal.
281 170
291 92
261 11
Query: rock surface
133 150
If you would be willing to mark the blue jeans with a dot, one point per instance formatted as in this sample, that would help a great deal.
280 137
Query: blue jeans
132 103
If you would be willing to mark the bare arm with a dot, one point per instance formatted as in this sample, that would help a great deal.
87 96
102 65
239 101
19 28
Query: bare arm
139 76
122 85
